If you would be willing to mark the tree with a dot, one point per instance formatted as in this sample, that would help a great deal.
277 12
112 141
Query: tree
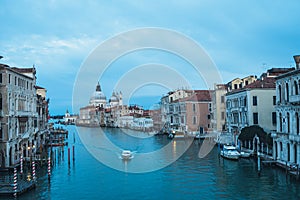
248 133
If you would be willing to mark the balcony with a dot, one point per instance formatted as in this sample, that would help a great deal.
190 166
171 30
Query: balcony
294 99
295 138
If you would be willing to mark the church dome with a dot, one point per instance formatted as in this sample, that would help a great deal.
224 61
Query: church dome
114 98
98 96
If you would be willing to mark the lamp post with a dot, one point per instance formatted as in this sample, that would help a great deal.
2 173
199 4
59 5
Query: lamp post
29 154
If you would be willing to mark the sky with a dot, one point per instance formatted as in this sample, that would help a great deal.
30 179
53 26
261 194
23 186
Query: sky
58 37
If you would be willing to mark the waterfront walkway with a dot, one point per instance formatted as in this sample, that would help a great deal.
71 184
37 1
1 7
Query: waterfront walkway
6 188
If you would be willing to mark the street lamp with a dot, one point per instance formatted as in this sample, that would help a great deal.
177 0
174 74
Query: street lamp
29 154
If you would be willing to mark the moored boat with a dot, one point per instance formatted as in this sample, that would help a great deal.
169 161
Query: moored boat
244 154
230 152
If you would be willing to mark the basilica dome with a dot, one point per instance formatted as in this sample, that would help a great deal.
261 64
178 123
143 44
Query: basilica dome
98 98
114 98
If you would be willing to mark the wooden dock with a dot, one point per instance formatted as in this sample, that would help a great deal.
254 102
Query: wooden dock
6 189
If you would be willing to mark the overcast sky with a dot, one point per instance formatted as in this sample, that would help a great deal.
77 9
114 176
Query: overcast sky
240 37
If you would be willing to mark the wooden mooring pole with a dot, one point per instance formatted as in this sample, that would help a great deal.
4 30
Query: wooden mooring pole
69 155
73 153
258 165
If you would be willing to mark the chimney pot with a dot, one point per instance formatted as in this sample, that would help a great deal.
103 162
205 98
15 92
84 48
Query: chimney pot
297 61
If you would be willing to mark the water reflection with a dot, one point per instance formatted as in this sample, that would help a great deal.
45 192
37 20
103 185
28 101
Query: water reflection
190 177
156 156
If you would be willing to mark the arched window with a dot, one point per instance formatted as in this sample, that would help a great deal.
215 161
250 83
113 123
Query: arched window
279 91
296 87
288 122
194 108
287 91
0 101
297 123
280 122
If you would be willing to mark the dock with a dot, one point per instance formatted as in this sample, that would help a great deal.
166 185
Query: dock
6 188
57 137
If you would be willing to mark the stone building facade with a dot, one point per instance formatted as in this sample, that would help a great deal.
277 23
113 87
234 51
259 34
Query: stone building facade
23 115
190 111
286 140
218 111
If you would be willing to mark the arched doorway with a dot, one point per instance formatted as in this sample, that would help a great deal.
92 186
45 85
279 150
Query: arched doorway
10 157
280 146
295 153
276 150
288 151
2 159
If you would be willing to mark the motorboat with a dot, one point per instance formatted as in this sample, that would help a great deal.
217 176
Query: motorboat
230 152
176 134
126 154
244 154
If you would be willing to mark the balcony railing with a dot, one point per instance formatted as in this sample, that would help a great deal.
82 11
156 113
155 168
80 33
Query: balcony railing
295 138
295 99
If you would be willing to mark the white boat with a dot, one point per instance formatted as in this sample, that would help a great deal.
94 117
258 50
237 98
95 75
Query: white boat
244 154
126 154
230 152
176 134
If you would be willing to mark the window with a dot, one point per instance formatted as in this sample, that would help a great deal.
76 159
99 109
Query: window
15 80
194 120
287 92
246 83
9 78
222 99
240 85
1 101
255 118
194 107
222 115
274 100
235 86
288 123
280 122
296 87
274 118
254 100
208 116
297 124
0 77
279 91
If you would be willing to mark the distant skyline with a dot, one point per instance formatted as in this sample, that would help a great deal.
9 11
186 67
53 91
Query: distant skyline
241 37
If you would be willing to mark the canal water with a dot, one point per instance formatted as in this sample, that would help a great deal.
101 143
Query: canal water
190 177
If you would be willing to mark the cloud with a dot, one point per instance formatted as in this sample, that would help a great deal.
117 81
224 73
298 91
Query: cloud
57 36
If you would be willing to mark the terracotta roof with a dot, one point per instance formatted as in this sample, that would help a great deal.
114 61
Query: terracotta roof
199 95
278 71
24 70
290 73
3 65
39 87
267 82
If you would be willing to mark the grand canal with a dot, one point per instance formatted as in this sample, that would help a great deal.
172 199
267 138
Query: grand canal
190 177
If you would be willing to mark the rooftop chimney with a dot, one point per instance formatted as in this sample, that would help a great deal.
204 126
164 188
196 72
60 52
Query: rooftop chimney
297 60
